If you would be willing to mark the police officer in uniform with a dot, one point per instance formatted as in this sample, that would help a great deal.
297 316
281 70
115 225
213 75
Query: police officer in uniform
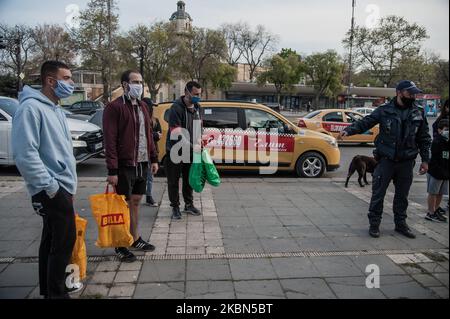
404 133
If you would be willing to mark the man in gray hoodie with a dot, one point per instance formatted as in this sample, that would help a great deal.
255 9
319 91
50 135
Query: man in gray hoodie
43 153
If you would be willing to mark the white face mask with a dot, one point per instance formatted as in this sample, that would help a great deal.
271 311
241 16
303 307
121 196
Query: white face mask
135 91
445 134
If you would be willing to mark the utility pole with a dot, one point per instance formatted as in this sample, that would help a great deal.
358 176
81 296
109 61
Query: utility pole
109 52
141 66
18 52
350 62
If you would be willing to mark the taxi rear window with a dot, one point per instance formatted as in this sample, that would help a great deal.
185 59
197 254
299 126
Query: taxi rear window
311 115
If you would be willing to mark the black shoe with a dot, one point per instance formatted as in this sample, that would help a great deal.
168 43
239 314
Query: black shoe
190 209
405 231
436 217
141 244
176 214
441 211
149 201
125 255
374 231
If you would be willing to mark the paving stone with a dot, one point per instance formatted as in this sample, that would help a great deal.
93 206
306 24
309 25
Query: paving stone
126 277
235 232
306 289
163 271
336 266
272 232
261 289
206 270
95 291
243 245
402 287
169 290
15 292
427 280
316 244
122 291
353 288
433 268
442 278
279 245
252 269
209 290
20 275
108 266
176 250
306 231
294 267
386 265
103 277
442 292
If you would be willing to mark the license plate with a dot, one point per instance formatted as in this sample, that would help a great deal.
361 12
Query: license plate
98 146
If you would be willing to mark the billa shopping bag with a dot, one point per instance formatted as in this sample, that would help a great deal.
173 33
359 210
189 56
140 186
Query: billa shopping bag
197 174
113 220
79 254
212 175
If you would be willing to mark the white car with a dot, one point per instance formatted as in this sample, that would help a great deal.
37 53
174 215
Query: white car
364 110
87 138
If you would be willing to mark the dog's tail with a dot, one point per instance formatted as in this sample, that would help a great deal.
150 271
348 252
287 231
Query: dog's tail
351 170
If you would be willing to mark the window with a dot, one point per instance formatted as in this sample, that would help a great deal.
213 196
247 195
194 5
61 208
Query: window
220 117
2 118
76 106
312 114
87 105
333 117
353 117
9 106
257 119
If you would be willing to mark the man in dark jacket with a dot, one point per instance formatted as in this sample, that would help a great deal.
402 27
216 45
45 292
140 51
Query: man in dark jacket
404 133
129 148
183 138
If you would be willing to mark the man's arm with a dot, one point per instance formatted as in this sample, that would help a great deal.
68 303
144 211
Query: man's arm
423 140
25 147
363 125
110 131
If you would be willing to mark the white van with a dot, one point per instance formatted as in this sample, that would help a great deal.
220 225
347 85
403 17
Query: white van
87 138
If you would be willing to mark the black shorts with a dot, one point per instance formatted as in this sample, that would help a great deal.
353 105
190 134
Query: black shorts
132 180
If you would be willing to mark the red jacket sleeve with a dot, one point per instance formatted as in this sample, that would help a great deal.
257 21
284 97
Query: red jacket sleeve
110 133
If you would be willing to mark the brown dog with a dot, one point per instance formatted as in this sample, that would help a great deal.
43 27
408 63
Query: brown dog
362 164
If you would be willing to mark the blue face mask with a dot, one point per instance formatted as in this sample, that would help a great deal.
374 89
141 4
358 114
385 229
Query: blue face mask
63 89
195 100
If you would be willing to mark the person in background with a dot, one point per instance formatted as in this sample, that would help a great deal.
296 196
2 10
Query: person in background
157 134
438 177
442 116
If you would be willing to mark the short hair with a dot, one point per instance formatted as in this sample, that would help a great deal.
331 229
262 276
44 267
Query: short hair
443 124
193 84
126 75
50 68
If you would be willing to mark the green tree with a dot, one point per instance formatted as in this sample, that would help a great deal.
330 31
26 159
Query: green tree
222 76
381 49
96 38
324 71
284 70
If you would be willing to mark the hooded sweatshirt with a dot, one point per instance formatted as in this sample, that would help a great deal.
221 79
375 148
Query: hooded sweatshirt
42 145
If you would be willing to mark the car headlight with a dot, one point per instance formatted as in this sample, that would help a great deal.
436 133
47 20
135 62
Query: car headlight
76 143
332 142
76 135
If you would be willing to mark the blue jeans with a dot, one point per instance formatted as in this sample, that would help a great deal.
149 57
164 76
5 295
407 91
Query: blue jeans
149 183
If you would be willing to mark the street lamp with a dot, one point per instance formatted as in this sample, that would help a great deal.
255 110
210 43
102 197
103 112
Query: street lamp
352 33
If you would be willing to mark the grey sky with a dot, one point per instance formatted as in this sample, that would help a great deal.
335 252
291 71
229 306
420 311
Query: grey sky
304 25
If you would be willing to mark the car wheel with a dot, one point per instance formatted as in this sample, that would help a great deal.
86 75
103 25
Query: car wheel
310 165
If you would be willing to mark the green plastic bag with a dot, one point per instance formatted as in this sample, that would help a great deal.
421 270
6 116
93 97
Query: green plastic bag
212 176
197 174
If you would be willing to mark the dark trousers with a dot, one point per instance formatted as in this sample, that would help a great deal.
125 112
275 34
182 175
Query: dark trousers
401 173
57 242
173 173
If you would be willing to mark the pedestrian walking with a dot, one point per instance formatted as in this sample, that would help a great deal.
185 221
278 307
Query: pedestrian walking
157 133
438 176
43 153
404 133
442 116
129 152
182 141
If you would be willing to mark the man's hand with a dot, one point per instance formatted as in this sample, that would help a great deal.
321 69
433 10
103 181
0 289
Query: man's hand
113 180
159 135
423 169
342 134
154 168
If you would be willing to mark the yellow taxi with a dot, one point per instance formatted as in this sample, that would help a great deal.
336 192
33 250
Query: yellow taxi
333 121
245 136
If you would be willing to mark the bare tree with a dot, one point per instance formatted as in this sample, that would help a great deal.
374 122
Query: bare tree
255 46
53 43
233 38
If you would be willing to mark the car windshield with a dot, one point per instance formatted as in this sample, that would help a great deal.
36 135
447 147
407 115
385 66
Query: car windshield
10 106
311 115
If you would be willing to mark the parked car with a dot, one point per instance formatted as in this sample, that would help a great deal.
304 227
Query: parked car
364 110
84 107
87 138
97 118
229 132
70 115
333 121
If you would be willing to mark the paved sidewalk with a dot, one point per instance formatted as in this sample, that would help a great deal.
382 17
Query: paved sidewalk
257 238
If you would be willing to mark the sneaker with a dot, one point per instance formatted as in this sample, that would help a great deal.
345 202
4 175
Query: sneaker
190 209
77 287
405 231
441 211
435 217
143 245
149 201
176 214
125 255
374 231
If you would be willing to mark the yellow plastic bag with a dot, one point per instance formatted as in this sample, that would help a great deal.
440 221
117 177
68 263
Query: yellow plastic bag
79 255
113 220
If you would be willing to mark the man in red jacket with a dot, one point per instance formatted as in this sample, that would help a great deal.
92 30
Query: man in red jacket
129 148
